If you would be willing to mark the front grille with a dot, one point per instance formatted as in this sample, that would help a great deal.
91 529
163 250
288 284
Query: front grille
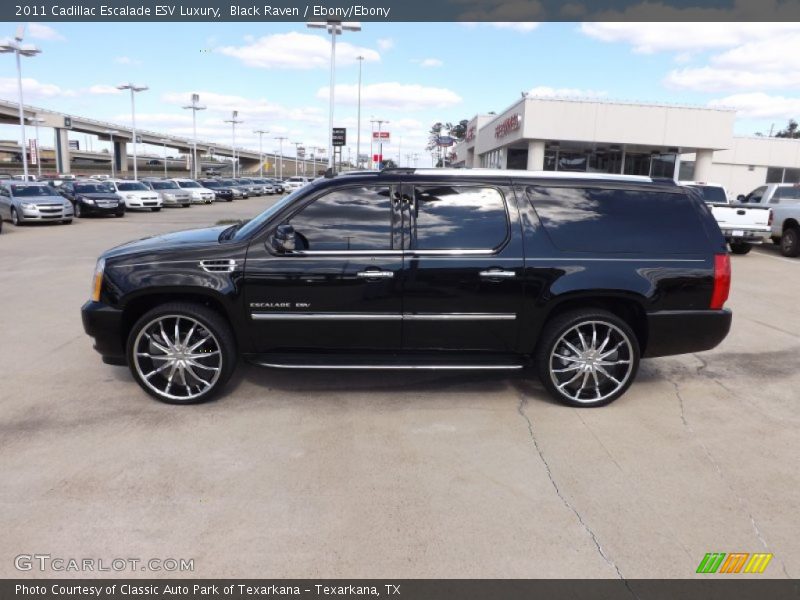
150 203
218 265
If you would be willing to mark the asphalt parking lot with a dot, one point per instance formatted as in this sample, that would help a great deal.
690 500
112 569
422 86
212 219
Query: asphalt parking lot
324 474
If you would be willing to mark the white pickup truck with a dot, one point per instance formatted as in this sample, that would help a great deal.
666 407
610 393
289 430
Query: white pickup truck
783 199
742 225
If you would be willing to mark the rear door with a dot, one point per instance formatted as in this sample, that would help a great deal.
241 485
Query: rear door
340 288
462 287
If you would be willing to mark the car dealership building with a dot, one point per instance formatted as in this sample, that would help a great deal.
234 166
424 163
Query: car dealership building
660 140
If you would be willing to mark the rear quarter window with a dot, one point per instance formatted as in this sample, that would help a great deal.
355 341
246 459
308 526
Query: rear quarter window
602 220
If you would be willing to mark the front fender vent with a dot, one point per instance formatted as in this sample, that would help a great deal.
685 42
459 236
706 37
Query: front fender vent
219 265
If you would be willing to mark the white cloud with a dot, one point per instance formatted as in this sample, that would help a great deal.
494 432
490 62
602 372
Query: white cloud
155 118
386 44
39 31
521 26
647 38
101 88
31 89
394 96
710 79
429 63
758 105
544 91
296 51
127 60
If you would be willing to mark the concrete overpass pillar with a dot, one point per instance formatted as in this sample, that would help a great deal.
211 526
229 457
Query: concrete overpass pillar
536 155
62 149
702 165
120 157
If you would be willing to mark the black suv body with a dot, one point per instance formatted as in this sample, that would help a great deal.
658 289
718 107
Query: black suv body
579 276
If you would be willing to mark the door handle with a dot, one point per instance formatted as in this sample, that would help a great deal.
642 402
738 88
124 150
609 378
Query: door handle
375 274
497 274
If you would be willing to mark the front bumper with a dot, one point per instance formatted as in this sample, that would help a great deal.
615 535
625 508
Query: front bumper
36 213
684 331
94 209
104 324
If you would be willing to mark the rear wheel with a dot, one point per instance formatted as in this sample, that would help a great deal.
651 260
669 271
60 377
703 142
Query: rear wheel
790 242
740 247
181 353
587 357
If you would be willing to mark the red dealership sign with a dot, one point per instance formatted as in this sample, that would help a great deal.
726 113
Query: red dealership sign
507 126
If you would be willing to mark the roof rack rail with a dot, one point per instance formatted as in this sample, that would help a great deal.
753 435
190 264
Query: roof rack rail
401 170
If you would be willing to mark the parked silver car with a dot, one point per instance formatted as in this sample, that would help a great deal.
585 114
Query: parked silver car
170 192
27 202
200 194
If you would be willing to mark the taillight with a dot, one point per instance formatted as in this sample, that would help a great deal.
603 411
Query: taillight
769 220
722 281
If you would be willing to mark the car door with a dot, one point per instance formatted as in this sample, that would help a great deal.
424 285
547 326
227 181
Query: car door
339 288
5 203
462 287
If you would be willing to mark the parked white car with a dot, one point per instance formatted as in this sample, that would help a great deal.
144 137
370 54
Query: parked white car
783 199
136 194
294 183
200 194
741 225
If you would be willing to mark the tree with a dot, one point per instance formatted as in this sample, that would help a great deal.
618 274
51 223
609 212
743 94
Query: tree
790 131
459 130
433 136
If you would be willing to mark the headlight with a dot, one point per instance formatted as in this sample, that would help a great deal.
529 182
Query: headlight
67 204
27 205
130 196
97 280
169 196
87 200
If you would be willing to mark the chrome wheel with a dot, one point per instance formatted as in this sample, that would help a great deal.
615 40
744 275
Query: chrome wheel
177 357
591 361
14 217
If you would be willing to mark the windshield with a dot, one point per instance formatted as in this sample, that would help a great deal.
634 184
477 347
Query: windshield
711 193
26 191
189 184
258 221
228 182
246 181
131 186
93 188
211 184
164 185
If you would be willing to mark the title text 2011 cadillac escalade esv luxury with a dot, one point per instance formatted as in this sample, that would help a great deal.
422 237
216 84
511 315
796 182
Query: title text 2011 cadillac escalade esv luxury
580 276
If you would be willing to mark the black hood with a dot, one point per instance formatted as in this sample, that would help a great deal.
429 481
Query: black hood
169 241
97 195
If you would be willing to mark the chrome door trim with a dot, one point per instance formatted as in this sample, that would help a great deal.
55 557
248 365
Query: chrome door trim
331 316
459 316
498 274
375 274
405 367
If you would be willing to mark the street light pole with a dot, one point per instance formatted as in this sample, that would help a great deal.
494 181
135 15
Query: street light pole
334 28
260 133
133 88
233 121
280 143
19 50
194 107
360 60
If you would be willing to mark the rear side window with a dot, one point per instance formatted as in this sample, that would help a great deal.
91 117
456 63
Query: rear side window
789 195
711 193
348 219
459 218
619 221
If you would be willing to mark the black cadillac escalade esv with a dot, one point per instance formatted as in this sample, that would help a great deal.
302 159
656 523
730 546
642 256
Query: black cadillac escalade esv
578 275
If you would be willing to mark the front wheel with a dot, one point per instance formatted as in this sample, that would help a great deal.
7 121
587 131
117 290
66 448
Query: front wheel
587 357
156 209
740 247
15 220
78 210
181 353
790 242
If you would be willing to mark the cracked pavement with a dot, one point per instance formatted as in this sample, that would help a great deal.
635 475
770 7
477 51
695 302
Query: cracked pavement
326 474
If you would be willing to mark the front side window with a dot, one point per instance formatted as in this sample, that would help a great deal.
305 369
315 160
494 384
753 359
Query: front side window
349 219
459 218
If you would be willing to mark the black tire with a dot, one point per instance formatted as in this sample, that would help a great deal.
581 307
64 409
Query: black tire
208 320
776 240
15 220
156 209
185 205
622 345
740 247
67 222
790 242
78 211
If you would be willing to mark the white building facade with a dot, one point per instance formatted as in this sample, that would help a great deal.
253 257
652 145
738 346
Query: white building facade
659 140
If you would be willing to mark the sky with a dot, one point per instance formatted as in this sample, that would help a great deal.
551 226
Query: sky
414 74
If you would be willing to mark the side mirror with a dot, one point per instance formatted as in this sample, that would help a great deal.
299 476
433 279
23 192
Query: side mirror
284 238
741 198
